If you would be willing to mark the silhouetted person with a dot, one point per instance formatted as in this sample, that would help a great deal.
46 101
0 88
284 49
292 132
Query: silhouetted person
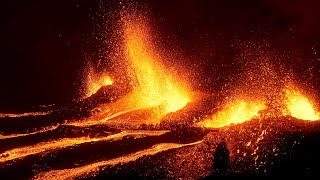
221 159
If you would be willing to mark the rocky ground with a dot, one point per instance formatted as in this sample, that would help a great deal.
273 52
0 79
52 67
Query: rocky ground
44 147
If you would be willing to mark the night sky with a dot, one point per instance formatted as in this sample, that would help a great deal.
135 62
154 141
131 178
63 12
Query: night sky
44 44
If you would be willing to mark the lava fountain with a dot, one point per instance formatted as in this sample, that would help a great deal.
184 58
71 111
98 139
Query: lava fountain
95 81
299 105
263 93
155 85
233 113
294 104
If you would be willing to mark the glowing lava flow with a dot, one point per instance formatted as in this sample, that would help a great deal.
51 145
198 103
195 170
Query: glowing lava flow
238 112
25 114
45 129
94 168
124 105
95 81
299 106
66 142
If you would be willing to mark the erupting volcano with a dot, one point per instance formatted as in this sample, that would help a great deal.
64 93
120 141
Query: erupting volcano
140 116
155 93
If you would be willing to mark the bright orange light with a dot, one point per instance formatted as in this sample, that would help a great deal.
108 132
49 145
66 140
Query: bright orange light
299 105
93 168
237 112
156 86
95 81
42 147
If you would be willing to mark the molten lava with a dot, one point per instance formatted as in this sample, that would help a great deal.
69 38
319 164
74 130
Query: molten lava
95 81
22 152
104 140
295 104
234 113
94 168
300 106
156 86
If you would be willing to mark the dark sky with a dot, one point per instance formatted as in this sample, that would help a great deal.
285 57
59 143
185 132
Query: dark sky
43 43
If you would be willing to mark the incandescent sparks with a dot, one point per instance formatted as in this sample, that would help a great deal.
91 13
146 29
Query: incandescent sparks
131 118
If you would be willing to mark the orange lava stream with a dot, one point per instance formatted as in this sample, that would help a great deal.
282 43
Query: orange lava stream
25 114
238 112
95 121
22 152
300 106
46 129
94 168
124 105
